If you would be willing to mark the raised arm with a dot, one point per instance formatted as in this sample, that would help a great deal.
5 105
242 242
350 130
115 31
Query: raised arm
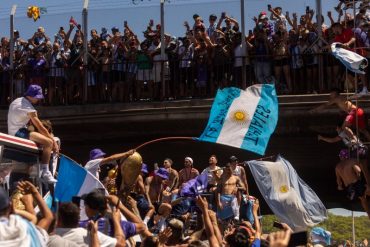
26 187
329 139
119 235
257 224
203 205
117 156
330 18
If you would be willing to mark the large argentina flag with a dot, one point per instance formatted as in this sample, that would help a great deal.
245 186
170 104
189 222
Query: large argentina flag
288 196
74 180
243 118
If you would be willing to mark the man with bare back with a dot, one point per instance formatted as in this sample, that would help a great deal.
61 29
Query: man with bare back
226 190
351 109
154 185
348 175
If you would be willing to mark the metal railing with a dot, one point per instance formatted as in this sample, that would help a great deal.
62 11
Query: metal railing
195 78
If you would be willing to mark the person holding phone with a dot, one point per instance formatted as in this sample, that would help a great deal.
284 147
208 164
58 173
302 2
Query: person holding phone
212 27
68 227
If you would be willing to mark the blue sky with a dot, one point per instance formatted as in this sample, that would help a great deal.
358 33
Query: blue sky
109 13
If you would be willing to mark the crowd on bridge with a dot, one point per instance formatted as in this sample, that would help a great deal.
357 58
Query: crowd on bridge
284 48
163 207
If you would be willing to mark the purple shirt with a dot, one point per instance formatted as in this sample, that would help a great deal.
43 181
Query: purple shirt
105 226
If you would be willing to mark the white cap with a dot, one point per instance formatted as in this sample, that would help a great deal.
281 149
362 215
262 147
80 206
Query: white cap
189 159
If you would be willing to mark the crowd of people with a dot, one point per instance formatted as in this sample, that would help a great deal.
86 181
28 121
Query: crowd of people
160 208
282 48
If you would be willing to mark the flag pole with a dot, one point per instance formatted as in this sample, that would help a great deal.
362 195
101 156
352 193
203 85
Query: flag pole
353 228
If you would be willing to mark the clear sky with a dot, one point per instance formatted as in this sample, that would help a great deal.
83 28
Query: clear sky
109 13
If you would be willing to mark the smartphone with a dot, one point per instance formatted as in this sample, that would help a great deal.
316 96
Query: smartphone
307 9
250 33
269 6
125 23
151 22
223 15
96 217
298 238
278 225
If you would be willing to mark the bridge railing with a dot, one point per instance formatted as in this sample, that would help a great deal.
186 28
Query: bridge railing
199 77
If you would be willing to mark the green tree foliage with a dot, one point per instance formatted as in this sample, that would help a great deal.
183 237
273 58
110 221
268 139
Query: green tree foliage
339 226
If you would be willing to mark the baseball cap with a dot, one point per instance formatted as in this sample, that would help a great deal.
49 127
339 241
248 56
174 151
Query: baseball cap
4 199
34 91
163 173
95 200
233 158
96 153
195 16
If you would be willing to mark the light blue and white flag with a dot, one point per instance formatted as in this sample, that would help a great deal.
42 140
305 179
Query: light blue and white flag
73 180
288 196
353 61
243 118
320 236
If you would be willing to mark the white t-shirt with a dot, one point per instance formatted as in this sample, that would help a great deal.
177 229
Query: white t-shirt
58 241
18 114
93 166
81 237
210 175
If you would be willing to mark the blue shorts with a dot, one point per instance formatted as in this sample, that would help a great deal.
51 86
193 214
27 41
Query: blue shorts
23 133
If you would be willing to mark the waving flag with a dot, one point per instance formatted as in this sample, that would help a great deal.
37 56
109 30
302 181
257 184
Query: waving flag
320 236
73 180
195 186
288 196
243 118
350 59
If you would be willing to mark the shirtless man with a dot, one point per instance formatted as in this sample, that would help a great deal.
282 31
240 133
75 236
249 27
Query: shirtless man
356 147
173 180
146 209
348 175
188 172
239 172
351 110
214 173
227 188
154 185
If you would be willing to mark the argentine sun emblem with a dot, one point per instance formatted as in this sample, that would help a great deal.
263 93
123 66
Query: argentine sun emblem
239 116
284 189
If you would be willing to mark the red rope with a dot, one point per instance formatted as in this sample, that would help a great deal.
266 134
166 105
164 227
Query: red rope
165 139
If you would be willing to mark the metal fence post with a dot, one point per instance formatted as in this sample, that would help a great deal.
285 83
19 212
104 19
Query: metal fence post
11 52
85 44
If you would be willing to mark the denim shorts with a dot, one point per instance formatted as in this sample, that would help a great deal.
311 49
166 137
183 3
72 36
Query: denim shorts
23 133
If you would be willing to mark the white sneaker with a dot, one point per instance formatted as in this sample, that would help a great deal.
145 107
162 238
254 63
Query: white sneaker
47 177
